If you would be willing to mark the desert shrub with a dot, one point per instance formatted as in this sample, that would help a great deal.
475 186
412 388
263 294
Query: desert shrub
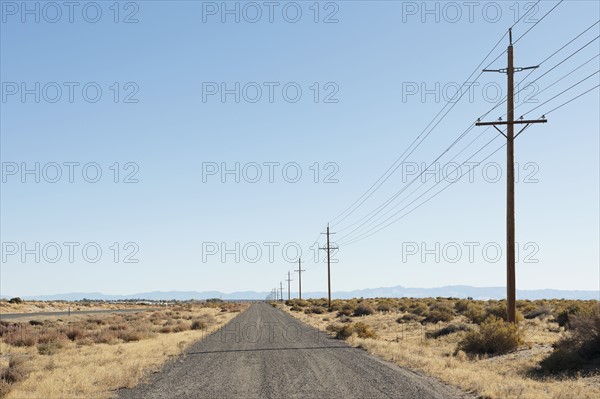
363 309
439 313
165 329
345 319
198 325
49 348
97 322
451 329
409 318
321 302
385 307
498 310
526 306
333 327
336 305
345 332
418 309
132 336
207 319
362 330
4 388
475 313
462 305
494 336
20 338
580 348
75 333
563 318
182 326
36 323
105 337
317 309
16 370
345 312
118 327
539 312
7 327
52 336
15 300
296 308
302 303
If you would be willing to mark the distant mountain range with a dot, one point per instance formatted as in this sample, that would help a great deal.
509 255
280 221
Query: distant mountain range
456 291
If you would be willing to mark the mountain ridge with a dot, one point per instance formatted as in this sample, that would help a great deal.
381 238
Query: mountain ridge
456 291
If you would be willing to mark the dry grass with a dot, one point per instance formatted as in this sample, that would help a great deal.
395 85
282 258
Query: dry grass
91 357
63 306
514 375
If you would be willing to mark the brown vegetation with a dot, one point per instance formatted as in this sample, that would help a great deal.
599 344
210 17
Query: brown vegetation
85 356
467 343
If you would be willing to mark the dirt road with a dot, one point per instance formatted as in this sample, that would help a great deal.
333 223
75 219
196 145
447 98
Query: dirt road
265 353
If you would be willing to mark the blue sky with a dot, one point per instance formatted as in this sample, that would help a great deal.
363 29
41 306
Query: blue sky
362 59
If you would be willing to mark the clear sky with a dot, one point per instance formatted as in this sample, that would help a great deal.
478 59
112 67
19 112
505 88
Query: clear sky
169 94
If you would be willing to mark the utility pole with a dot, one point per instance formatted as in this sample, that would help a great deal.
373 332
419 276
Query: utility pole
288 281
281 291
300 270
328 249
511 297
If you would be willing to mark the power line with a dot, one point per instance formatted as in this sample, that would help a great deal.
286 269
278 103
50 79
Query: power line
555 66
571 100
546 59
538 21
352 240
352 208
562 92
373 231
370 215
564 76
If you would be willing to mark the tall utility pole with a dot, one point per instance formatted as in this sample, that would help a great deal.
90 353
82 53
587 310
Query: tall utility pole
300 270
511 297
281 291
328 249
288 281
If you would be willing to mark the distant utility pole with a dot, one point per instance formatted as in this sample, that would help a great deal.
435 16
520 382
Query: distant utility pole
300 270
328 249
511 297
281 291
288 281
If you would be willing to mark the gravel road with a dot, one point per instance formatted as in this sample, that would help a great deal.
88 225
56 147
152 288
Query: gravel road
266 353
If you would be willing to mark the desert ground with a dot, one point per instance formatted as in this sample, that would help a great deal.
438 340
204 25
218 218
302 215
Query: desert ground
554 353
90 356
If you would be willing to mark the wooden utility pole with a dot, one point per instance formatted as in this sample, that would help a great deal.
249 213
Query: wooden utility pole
300 270
281 290
288 281
328 249
511 297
